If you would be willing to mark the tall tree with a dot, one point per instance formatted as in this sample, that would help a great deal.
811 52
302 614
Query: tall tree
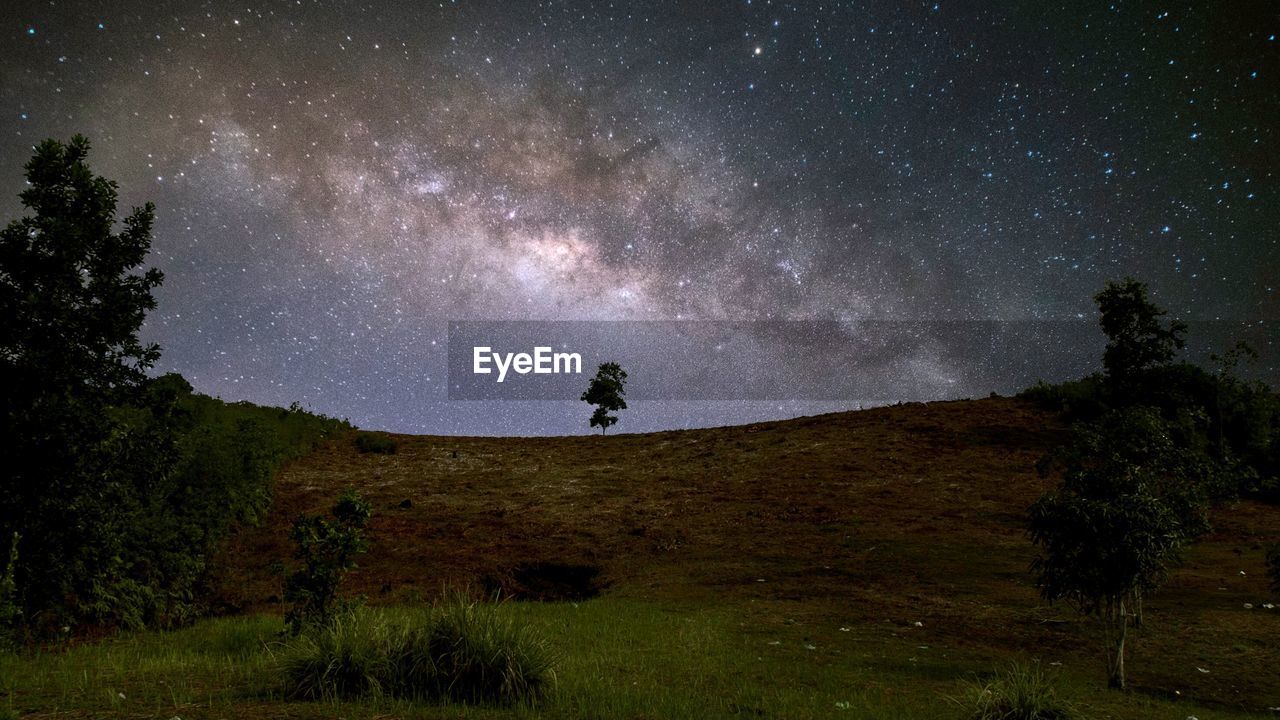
73 298
606 392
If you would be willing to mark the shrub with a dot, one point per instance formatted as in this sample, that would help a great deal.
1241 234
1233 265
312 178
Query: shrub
327 550
479 656
460 651
1082 399
1273 566
1023 692
349 657
10 608
380 443
1117 523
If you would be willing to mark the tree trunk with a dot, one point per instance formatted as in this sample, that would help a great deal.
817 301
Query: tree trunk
1117 628
1117 671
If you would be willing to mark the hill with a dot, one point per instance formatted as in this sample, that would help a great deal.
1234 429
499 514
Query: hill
900 525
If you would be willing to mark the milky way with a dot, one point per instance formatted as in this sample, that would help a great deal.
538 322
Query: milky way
335 183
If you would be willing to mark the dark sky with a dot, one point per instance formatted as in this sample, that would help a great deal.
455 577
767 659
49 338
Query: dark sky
335 182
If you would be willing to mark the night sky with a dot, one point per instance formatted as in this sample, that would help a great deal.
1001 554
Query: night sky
337 182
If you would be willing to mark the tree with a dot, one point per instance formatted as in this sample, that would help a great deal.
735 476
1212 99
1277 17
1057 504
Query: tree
1109 533
73 298
606 392
1137 337
326 550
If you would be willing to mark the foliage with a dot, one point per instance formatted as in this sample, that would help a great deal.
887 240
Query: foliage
461 651
10 605
226 458
119 486
1126 507
1273 566
1022 692
326 550
1233 425
606 392
371 442
1137 336
1083 399
69 351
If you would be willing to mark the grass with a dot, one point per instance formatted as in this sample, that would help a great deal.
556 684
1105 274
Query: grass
857 565
1023 692
617 658
459 650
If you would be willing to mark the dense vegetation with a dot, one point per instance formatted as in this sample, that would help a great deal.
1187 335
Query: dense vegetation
116 486
1153 443
207 465
1227 428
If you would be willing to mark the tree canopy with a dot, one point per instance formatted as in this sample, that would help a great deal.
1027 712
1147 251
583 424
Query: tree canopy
73 295
1138 338
606 391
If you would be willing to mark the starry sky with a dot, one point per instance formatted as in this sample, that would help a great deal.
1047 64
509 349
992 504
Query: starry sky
337 182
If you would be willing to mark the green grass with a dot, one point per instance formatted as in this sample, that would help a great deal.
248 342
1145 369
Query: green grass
458 650
616 658
1023 692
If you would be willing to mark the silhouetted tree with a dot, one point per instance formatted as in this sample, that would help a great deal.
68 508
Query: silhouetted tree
1137 336
606 392
72 298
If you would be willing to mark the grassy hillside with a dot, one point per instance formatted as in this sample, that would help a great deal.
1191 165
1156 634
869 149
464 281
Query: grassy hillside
857 564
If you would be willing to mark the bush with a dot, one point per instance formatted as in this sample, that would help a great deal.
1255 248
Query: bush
1231 423
460 650
478 656
349 657
1273 566
10 608
382 444
1023 692
327 550
1082 399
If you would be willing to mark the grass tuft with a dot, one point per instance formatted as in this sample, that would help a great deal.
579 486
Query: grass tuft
349 657
480 656
1023 692
460 651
